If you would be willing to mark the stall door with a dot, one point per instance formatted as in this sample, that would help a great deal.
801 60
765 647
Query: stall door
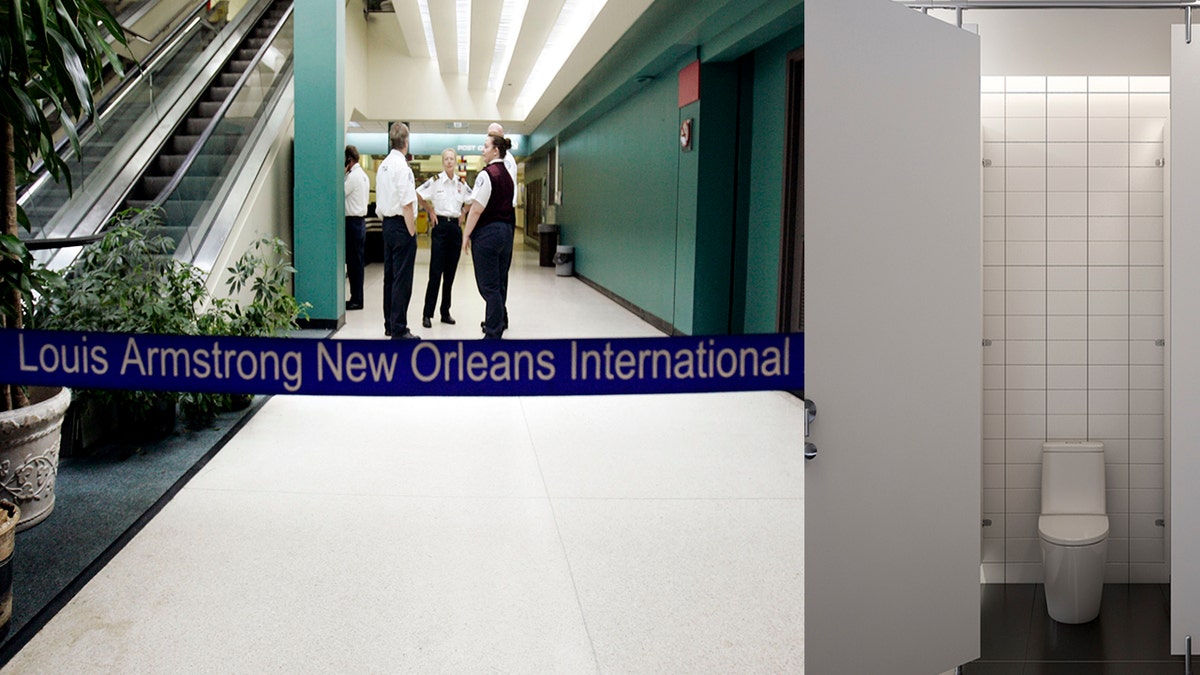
893 334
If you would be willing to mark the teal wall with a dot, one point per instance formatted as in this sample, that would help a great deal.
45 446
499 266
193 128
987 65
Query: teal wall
690 237
320 123
619 180
765 188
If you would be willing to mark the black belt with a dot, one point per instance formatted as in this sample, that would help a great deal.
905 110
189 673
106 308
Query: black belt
451 219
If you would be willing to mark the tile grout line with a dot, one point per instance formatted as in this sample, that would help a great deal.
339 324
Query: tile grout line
558 531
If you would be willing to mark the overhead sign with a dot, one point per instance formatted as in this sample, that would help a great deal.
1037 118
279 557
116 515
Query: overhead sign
403 367
433 144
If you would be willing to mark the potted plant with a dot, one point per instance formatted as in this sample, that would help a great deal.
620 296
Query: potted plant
10 515
128 282
53 52
259 304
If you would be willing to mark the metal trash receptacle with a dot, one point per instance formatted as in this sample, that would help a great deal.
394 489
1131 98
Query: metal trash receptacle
564 261
547 243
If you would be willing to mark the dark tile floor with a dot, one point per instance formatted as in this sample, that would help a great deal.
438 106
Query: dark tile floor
1130 637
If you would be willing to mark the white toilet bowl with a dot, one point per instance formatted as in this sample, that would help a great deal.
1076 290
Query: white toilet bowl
1073 529
1074 550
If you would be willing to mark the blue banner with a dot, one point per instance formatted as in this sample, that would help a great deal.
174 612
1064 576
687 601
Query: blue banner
239 365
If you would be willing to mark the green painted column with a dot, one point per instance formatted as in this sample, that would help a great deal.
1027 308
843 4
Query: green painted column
320 140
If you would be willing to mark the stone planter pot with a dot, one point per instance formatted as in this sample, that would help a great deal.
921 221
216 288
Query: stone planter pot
10 515
29 442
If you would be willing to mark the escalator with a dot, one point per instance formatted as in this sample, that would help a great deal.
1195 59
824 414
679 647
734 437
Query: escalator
122 106
189 166
173 141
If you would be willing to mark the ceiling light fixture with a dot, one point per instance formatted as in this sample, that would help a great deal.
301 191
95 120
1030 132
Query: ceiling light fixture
512 15
423 5
463 16
573 21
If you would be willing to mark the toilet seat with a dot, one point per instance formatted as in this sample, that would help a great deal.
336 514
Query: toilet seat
1073 529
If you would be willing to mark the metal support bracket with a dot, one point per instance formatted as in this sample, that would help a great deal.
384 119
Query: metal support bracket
1187 655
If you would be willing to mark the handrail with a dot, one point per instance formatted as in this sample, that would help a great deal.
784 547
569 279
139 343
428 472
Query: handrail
62 242
219 115
104 105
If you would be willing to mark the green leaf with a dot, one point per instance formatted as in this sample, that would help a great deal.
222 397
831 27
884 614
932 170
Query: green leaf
74 72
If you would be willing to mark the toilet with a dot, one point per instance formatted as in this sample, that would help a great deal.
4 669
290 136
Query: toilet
1073 529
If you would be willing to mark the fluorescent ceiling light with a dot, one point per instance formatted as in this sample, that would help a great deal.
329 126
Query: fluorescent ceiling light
573 21
423 5
463 15
512 15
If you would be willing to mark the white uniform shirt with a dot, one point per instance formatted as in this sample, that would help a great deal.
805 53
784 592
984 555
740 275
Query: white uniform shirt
394 186
447 194
358 188
483 187
510 163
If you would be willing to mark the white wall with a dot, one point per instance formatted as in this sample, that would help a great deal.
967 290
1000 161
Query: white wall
1073 282
400 87
1073 42
266 211
356 59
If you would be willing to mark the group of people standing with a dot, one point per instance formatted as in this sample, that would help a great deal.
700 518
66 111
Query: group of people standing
489 212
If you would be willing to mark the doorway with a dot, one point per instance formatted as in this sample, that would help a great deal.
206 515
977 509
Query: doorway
791 258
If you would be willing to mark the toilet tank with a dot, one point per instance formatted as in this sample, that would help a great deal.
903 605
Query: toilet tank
1073 477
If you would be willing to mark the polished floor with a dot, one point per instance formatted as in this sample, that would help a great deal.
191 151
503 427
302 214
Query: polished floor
1130 637
616 534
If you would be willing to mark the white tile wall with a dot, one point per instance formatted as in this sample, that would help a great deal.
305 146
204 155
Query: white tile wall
1073 302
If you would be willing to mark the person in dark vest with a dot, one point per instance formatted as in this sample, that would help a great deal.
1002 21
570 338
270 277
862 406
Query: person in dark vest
489 232
510 163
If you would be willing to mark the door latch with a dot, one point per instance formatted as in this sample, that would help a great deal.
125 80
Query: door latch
810 414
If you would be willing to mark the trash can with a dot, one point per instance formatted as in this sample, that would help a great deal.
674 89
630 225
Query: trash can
547 241
564 261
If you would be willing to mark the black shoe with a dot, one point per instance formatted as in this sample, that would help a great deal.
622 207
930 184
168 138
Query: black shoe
426 322
387 331
407 335
447 319
353 305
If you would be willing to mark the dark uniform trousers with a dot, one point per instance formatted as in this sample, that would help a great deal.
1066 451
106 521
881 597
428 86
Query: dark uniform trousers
356 239
491 246
445 247
399 262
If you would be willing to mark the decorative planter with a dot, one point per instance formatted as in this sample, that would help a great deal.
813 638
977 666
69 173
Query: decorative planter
10 515
29 441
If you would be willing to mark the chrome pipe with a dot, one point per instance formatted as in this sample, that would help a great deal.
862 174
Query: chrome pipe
1061 4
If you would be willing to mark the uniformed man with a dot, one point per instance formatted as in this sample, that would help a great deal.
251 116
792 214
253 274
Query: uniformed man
396 202
444 198
358 190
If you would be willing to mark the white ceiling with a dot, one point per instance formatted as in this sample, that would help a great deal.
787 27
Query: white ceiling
548 52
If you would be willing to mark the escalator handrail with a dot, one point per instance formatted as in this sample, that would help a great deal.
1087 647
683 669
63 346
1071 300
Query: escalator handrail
135 15
62 242
102 106
219 116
